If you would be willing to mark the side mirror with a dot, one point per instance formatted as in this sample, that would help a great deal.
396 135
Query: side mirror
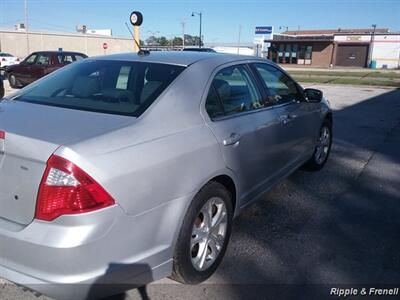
313 95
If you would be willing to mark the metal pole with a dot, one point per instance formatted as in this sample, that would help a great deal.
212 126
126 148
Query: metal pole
240 32
201 15
26 27
183 34
371 44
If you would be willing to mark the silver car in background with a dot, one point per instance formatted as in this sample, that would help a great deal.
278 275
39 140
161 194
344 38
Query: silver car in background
120 170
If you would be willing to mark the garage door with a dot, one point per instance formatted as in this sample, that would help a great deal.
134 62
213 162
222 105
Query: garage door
352 55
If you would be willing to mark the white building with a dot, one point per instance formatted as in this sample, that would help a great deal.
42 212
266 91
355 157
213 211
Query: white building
384 47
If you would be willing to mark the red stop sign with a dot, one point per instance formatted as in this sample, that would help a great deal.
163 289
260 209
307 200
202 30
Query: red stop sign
105 46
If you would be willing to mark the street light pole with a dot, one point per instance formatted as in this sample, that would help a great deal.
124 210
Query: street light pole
286 27
200 14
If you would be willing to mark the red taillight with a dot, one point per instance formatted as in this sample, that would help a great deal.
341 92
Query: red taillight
2 135
67 189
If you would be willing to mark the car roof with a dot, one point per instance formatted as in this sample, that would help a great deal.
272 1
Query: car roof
182 58
57 52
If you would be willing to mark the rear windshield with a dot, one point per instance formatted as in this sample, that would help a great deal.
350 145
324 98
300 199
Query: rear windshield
114 87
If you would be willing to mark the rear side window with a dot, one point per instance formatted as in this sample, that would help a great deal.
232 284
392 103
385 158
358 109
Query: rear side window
280 87
79 57
214 106
65 58
114 87
236 91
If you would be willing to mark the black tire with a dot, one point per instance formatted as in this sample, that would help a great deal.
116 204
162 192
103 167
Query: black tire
183 268
13 81
1 92
138 18
314 164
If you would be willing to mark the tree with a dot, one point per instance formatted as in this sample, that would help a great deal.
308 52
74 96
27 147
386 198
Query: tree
152 41
177 41
162 41
192 40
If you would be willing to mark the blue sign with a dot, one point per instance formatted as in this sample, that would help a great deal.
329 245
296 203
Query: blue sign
263 29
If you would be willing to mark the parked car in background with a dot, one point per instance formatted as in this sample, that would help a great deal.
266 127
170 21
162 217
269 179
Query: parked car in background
1 87
6 59
200 49
39 64
123 169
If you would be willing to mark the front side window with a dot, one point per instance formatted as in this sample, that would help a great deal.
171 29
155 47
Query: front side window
43 59
281 88
113 87
31 59
235 90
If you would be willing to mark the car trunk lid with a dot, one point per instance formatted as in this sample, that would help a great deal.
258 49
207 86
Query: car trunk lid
31 133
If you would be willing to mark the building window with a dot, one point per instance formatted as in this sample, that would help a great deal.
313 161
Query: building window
308 55
280 53
305 55
287 53
294 54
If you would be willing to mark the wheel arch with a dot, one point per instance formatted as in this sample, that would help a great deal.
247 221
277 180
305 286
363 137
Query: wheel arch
230 185
329 117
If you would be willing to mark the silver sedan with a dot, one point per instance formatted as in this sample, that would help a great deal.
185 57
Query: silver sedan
120 170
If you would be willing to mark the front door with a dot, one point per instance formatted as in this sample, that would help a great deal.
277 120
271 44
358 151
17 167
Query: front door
38 70
24 69
298 118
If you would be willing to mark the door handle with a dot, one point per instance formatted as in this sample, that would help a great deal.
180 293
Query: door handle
232 140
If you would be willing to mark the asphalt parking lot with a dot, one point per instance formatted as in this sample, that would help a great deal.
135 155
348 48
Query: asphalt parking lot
314 231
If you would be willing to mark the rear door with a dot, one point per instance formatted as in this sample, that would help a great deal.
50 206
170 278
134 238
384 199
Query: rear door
299 119
244 128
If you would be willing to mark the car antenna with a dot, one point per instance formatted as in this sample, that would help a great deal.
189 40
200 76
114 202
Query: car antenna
141 52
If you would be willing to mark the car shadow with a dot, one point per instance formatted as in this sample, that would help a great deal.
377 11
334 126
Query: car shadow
120 278
339 226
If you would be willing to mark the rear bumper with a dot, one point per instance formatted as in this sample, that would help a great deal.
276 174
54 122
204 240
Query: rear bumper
99 287
91 255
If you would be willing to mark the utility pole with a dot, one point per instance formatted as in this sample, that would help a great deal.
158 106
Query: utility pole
183 33
26 27
371 45
240 33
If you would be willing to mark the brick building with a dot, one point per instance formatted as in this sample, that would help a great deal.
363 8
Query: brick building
340 47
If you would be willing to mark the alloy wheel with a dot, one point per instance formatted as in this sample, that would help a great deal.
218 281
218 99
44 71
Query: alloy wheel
208 234
323 145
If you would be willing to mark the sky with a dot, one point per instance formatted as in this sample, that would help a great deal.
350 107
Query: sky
221 18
